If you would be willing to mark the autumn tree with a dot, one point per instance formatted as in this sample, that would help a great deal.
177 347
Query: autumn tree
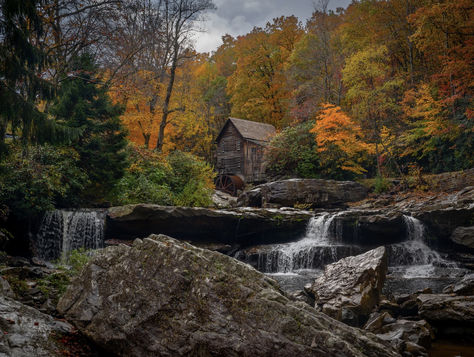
258 87
372 93
340 144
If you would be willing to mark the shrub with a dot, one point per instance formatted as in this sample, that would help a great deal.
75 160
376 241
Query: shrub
39 178
293 153
179 179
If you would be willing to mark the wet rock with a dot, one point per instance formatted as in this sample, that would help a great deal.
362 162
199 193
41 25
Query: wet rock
445 308
463 236
389 306
350 288
312 193
465 286
411 338
5 289
25 331
202 225
165 297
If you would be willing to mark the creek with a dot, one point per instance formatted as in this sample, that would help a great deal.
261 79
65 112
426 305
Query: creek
413 265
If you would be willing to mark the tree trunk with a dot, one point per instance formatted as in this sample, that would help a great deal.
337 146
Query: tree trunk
169 91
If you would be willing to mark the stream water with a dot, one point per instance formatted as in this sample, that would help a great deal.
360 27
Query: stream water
413 265
62 231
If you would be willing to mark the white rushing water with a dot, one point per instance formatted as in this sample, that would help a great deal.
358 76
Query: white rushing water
62 231
316 248
413 258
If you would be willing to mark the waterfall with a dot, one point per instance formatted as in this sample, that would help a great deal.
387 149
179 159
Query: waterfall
314 250
417 257
62 231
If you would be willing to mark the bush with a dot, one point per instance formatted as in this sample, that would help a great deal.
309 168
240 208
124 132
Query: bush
38 178
381 185
293 153
180 179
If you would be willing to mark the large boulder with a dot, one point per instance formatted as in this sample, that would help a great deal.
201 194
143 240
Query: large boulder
240 227
162 297
312 193
349 289
26 332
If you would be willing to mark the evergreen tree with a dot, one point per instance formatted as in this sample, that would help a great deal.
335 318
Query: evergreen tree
21 64
84 105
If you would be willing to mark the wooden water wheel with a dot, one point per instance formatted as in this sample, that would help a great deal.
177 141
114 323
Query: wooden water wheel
229 184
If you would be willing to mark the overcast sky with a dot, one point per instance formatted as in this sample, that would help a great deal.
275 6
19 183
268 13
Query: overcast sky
238 17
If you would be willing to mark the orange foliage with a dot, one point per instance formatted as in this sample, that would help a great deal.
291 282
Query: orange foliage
339 139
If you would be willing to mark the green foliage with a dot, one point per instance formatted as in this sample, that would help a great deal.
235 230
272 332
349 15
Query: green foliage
53 286
381 184
77 259
21 63
180 179
293 153
39 179
83 104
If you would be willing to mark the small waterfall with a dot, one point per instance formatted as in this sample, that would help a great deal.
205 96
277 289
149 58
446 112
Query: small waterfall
314 250
414 253
62 231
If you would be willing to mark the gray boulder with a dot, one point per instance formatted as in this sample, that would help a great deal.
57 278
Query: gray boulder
464 236
162 297
26 332
312 193
350 288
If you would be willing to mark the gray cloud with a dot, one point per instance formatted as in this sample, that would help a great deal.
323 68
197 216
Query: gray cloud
238 17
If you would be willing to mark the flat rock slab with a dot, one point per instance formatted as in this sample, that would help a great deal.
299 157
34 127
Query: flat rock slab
163 297
202 225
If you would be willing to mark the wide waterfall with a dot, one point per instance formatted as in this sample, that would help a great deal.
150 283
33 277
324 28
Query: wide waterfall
297 263
62 231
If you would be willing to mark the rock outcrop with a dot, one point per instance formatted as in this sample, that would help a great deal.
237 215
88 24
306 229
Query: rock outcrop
162 297
202 225
350 288
312 193
370 227
25 331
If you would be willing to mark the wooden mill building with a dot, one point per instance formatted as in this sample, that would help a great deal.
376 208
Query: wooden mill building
240 149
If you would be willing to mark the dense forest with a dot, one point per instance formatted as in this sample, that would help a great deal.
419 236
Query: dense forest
107 102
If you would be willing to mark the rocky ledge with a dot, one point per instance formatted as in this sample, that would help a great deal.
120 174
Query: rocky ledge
239 227
164 297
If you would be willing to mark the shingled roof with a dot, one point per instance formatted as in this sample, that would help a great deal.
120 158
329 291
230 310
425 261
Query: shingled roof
251 130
